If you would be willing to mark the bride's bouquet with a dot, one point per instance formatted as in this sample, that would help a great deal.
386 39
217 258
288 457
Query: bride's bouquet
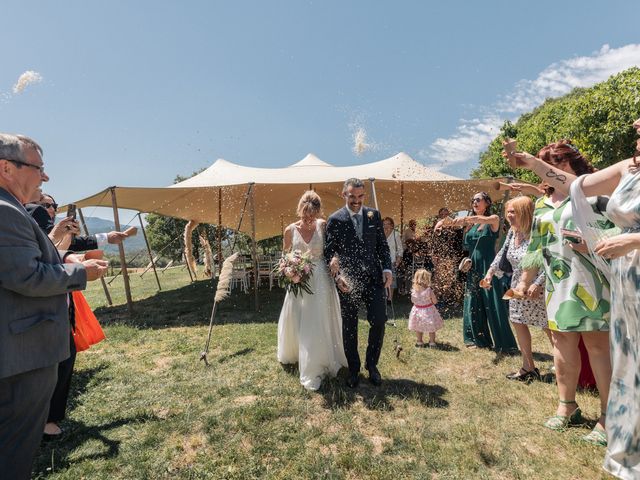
293 272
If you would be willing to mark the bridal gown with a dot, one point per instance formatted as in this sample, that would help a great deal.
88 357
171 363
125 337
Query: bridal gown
310 326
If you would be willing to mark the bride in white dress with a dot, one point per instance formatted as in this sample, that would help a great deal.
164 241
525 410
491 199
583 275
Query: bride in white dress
310 326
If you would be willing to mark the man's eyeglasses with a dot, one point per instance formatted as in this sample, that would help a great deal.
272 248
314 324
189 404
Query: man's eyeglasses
50 205
40 168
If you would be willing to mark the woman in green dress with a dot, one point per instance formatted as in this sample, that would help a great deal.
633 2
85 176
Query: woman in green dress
485 314
576 292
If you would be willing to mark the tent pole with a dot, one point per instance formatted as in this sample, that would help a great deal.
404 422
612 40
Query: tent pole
219 230
186 264
401 208
244 209
123 260
104 284
373 192
146 241
254 249
505 199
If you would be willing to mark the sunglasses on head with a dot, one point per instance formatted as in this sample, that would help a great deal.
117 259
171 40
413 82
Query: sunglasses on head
50 205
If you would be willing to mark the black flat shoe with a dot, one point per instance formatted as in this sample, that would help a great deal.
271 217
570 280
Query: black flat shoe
51 437
353 380
524 376
374 376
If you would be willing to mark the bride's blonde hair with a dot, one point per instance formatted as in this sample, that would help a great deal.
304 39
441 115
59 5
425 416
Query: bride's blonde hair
309 204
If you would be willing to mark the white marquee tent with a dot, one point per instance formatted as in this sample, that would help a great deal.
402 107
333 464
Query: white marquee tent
404 189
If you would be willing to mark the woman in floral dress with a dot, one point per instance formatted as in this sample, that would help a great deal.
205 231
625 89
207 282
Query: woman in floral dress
526 311
576 292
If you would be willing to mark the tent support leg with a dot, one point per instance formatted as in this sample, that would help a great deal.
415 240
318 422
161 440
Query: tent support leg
505 199
219 231
104 284
146 241
123 260
373 192
401 208
254 249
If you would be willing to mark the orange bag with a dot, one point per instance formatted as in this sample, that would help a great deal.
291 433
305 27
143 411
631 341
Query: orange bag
88 331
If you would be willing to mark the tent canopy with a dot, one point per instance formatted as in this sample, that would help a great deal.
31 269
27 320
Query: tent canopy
399 181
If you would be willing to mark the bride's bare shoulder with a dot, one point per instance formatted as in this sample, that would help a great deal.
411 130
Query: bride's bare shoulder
322 223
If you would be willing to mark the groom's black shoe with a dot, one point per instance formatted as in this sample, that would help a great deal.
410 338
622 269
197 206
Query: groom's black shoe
353 380
374 376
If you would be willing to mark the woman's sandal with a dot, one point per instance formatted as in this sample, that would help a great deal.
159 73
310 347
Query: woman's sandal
597 436
420 345
526 376
559 423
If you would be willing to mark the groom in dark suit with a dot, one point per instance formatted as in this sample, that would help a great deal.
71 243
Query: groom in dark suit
357 253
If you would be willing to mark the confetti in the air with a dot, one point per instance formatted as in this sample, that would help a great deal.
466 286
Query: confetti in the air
27 78
360 144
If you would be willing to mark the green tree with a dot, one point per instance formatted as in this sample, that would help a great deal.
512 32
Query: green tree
597 120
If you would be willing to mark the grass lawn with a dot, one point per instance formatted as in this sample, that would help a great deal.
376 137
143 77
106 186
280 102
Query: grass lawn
144 407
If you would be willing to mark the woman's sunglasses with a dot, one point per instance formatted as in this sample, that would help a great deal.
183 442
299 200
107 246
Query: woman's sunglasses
50 205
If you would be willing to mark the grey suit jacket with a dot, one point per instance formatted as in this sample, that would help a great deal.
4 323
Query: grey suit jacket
34 318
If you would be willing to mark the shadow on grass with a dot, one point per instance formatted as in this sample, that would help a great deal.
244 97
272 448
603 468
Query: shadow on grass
55 456
239 353
446 347
501 356
80 381
191 305
336 395
542 357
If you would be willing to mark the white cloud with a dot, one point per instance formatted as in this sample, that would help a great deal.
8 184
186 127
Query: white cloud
27 78
473 136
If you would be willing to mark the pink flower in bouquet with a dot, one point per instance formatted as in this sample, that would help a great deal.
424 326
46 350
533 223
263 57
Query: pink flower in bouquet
288 272
307 268
296 279
296 260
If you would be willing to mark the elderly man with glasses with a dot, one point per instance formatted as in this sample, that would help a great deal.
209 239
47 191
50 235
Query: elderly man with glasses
34 323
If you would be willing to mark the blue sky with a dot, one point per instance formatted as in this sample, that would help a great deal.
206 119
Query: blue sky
133 93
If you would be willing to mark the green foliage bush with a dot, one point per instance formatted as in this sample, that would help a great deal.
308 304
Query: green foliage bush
597 120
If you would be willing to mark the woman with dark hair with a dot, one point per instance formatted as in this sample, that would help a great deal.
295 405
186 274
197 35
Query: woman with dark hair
622 182
485 315
576 292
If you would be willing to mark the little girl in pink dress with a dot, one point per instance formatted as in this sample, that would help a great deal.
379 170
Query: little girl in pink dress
424 317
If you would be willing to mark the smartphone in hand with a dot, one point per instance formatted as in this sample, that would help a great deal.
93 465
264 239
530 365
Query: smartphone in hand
71 211
572 236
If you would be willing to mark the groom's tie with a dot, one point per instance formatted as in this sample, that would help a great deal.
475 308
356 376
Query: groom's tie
357 218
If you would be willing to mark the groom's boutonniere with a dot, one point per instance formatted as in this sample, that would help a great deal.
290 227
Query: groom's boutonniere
370 214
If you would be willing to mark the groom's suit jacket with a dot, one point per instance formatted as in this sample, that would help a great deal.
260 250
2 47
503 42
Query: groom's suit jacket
34 322
360 259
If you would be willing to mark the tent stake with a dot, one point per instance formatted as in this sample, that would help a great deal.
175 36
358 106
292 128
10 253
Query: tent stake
146 241
123 260
104 284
